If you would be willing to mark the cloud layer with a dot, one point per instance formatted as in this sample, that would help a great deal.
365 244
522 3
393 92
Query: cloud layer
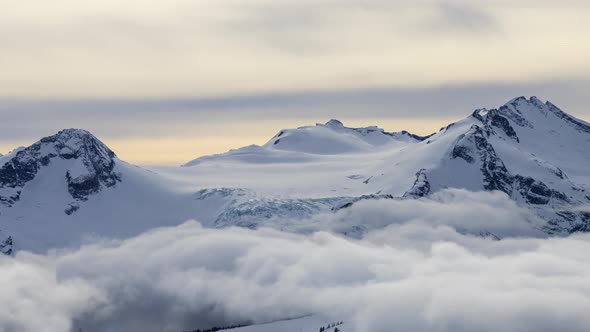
213 47
416 275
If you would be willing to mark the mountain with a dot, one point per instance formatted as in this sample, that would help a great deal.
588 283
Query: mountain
70 186
334 138
87 165
529 149
306 143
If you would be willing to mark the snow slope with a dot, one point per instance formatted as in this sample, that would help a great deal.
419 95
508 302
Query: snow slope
69 187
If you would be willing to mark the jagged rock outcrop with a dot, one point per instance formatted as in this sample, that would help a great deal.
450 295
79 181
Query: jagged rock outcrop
6 246
224 192
253 212
474 147
365 131
421 186
494 119
350 201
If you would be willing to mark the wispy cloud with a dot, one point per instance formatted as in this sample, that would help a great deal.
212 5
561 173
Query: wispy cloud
453 18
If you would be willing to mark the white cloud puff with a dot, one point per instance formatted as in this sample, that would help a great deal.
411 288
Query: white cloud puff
466 211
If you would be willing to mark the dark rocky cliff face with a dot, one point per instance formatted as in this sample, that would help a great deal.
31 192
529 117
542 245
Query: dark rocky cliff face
6 246
421 186
93 166
475 148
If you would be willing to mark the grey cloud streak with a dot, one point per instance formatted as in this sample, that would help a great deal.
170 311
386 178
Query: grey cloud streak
30 119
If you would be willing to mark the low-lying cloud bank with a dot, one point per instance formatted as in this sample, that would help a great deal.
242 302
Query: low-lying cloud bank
417 274
479 213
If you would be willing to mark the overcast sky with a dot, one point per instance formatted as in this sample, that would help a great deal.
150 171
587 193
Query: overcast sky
166 81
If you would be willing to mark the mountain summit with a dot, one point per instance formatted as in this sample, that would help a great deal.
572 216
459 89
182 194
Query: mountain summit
86 162
310 142
530 150
335 138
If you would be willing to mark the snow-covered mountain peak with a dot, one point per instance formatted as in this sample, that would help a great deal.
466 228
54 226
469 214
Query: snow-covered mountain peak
524 107
75 143
533 120
524 100
84 162
334 137
529 149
